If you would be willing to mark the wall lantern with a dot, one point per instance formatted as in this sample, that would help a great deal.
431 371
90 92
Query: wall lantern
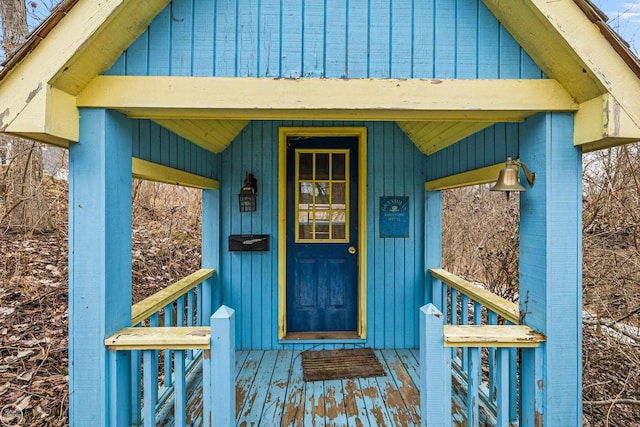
509 179
248 194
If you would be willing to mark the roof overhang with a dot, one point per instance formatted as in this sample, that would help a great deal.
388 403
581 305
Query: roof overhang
590 73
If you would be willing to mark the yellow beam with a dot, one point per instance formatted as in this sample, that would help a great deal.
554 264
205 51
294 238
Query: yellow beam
505 309
474 177
491 336
160 299
161 338
149 171
601 122
364 99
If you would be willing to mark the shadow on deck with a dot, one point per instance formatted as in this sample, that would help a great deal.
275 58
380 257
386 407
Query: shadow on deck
270 391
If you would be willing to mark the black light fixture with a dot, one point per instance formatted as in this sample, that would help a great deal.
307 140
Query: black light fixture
509 177
248 194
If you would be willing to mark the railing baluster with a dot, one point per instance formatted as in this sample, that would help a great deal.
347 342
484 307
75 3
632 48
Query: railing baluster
168 322
190 307
190 316
136 388
445 303
473 386
502 388
453 303
180 389
180 311
477 313
513 385
454 307
199 305
464 320
150 386
437 288
492 319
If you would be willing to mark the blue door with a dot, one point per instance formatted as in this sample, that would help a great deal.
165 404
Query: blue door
322 235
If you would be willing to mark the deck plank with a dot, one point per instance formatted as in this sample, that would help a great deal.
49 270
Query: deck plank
378 415
395 404
246 377
403 384
257 394
335 412
314 404
355 408
276 397
293 414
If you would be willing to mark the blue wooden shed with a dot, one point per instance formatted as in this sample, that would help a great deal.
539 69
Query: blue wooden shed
346 119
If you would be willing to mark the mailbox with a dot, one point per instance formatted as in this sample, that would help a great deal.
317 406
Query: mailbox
249 242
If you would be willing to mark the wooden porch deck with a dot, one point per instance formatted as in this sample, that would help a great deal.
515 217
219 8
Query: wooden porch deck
270 391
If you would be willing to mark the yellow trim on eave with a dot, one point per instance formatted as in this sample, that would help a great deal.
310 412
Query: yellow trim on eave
473 177
37 92
570 48
601 122
361 133
149 171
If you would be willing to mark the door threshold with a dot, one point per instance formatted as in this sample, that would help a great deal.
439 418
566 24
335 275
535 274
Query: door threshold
321 335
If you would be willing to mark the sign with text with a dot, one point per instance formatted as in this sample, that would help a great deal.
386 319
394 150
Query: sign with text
394 216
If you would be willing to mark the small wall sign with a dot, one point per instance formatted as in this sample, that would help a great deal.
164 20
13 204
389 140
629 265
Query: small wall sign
394 216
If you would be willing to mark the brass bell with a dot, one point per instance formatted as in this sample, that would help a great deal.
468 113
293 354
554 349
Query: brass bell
508 179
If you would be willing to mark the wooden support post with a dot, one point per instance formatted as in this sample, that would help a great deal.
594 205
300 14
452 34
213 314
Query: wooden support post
219 371
212 293
435 370
433 245
551 268
99 268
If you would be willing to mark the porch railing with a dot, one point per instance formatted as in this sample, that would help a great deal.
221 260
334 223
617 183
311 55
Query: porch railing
476 335
170 345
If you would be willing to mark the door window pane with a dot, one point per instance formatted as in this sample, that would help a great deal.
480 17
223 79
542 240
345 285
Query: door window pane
322 166
338 166
322 195
305 166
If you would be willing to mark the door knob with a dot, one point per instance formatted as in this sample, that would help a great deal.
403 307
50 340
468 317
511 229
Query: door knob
352 250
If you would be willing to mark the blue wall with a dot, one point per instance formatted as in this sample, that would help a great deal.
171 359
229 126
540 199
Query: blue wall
395 266
327 38
153 143
485 148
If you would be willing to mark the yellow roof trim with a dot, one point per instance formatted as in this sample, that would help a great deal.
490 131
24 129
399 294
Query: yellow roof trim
81 42
570 48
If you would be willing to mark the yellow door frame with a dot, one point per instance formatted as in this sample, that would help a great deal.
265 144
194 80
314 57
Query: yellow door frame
361 134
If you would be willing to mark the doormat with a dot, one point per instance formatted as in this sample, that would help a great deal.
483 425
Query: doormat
323 365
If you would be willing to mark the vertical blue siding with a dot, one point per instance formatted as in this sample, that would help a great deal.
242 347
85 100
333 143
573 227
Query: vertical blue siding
327 38
153 143
485 148
395 267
